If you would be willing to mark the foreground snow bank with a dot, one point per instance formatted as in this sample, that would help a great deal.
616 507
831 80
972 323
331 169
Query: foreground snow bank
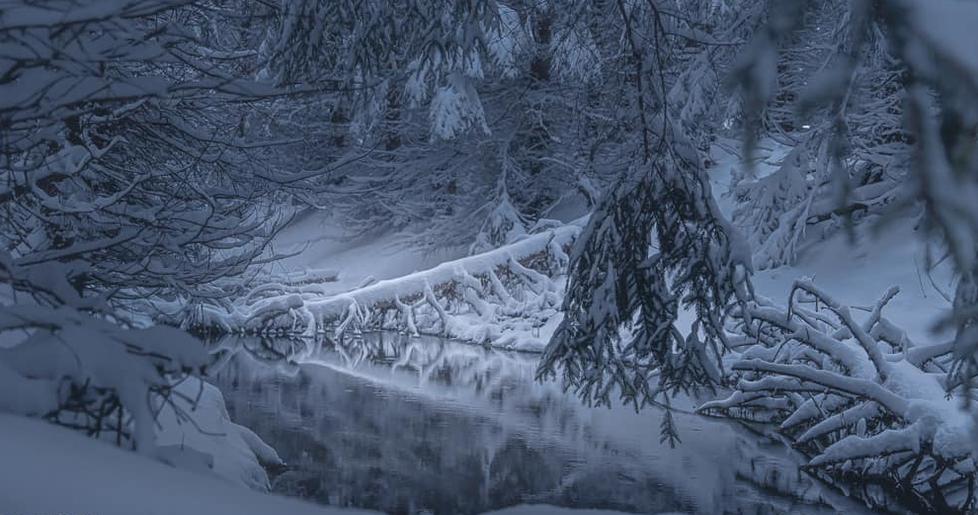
198 434
50 469
138 388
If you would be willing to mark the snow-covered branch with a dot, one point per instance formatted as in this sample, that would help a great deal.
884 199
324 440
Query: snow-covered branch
854 403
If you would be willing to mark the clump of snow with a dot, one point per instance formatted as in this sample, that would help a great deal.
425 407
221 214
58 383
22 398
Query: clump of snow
506 41
456 108
198 420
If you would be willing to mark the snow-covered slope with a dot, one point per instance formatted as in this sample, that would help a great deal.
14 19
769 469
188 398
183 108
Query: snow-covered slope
319 242
544 509
855 270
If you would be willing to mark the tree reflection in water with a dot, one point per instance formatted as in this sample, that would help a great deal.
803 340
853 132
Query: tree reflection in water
408 425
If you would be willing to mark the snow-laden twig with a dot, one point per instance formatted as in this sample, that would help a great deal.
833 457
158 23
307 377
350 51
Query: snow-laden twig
854 396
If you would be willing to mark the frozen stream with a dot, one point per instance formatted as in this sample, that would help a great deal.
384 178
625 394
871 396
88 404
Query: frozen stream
421 425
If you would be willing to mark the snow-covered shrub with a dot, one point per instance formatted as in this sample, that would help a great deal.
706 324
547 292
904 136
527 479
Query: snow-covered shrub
84 371
867 405
504 224
773 210
506 41
456 108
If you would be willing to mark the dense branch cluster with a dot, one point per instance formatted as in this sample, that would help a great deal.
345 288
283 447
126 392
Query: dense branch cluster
864 402
123 181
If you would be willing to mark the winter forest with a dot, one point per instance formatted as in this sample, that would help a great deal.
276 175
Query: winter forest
520 257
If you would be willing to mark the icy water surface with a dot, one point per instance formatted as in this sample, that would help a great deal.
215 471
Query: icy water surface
420 425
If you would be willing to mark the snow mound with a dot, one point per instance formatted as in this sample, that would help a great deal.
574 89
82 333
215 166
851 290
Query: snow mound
197 422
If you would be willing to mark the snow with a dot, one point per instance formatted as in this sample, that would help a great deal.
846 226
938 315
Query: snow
887 442
949 425
130 362
825 374
455 109
854 270
394 290
318 242
503 296
832 262
506 304
232 451
50 469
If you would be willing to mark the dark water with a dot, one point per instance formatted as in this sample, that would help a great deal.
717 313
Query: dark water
420 425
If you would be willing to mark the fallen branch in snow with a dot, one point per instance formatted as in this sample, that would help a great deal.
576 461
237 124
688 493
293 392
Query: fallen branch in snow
508 297
857 397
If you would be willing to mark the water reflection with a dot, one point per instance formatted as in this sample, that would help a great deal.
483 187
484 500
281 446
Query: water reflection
411 425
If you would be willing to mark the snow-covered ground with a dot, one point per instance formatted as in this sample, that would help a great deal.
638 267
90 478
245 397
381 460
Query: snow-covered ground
854 270
320 243
544 509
